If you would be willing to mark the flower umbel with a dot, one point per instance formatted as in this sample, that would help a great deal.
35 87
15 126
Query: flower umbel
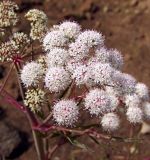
34 99
8 17
31 74
65 112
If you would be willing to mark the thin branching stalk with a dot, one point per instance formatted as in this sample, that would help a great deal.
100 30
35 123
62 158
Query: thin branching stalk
9 99
37 139
52 150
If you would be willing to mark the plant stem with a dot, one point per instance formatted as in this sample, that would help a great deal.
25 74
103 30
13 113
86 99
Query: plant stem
51 151
46 146
37 139
38 142
8 98
47 119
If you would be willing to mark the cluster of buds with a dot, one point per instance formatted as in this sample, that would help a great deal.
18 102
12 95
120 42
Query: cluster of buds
8 17
38 21
35 99
15 46
80 58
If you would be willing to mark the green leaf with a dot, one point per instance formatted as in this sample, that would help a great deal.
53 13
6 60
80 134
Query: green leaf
78 144
95 140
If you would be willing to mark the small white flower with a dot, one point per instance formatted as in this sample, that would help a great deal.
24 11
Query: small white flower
98 101
72 64
80 75
57 79
142 91
125 83
114 101
56 57
78 50
54 39
31 73
70 29
134 114
102 54
65 112
146 109
101 73
116 59
128 83
110 122
112 91
91 38
132 100
113 96
93 60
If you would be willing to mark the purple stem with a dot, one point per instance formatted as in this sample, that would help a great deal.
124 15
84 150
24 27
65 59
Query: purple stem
8 98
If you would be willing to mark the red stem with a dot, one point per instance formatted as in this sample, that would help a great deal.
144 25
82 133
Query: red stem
8 98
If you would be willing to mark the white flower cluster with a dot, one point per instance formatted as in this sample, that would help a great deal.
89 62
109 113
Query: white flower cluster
70 29
31 74
54 39
38 21
73 55
57 79
66 112
15 46
98 101
8 16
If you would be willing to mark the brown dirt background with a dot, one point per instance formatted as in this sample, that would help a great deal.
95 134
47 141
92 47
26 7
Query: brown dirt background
126 25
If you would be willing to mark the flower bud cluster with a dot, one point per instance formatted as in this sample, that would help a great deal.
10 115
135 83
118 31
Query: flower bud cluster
80 57
34 99
16 45
38 21
6 51
8 17
19 40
